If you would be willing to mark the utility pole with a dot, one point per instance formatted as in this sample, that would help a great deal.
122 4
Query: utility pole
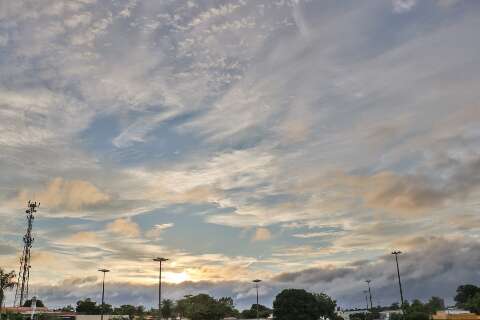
103 292
160 260
256 281
21 293
370 293
396 253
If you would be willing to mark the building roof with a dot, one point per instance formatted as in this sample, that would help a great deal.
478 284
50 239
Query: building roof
461 315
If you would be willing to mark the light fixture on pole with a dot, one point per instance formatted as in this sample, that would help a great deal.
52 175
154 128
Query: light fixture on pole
104 271
160 260
370 293
256 281
396 253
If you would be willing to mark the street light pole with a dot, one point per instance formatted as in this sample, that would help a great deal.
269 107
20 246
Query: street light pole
366 298
104 271
160 260
370 293
256 281
396 253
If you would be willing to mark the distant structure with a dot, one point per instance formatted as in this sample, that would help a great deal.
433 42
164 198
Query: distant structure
21 293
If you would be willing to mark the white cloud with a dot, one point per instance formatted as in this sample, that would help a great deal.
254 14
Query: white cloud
157 230
401 6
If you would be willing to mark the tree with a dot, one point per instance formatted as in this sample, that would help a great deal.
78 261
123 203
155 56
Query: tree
417 306
167 308
396 316
326 306
6 283
394 306
435 304
357 316
87 306
68 308
126 309
226 307
105 308
263 312
415 315
39 303
205 307
464 293
295 304
473 304
181 307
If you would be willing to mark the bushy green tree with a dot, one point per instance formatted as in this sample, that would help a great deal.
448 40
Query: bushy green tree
39 303
7 282
105 308
167 308
357 316
296 304
417 306
473 304
434 305
464 293
87 306
205 307
326 306
126 309
263 312
68 308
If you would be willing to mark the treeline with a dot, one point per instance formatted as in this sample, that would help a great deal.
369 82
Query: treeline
198 307
289 304
467 297
417 310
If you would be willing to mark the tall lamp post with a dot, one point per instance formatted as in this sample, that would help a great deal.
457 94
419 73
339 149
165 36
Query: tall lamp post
396 253
104 271
366 298
160 260
256 281
370 293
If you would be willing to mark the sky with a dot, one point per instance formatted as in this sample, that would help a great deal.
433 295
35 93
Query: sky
298 142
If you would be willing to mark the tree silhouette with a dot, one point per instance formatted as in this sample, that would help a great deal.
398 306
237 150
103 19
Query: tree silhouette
6 283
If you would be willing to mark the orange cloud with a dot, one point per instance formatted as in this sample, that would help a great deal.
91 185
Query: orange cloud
124 227
262 234
65 194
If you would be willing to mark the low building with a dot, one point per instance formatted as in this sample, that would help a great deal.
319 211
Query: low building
61 315
455 315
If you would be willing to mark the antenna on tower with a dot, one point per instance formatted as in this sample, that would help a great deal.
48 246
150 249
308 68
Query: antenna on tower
21 293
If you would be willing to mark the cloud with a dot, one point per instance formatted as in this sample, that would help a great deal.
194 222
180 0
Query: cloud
310 235
157 230
314 275
436 265
124 227
412 193
262 234
62 194
401 6
7 249
86 238
235 116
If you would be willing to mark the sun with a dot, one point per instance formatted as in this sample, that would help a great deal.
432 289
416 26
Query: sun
174 277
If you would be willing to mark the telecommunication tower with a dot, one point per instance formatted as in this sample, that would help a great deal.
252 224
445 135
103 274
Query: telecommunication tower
21 293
